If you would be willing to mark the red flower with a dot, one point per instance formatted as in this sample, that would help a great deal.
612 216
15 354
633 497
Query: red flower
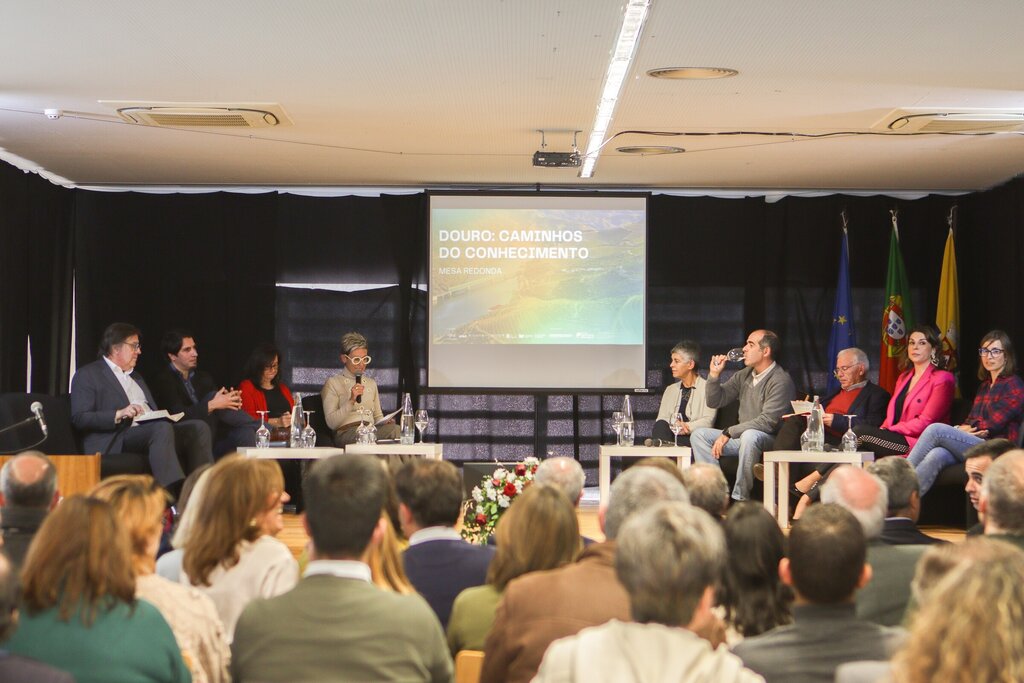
495 482
520 470
510 489
481 519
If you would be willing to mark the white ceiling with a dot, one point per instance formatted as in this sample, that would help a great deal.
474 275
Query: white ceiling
385 93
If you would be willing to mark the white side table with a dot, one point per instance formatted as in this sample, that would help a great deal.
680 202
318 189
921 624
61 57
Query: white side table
606 453
431 451
291 453
776 475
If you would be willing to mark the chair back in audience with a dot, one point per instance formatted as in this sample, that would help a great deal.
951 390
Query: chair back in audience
468 665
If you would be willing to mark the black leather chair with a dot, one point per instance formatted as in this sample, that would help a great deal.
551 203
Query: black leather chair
324 436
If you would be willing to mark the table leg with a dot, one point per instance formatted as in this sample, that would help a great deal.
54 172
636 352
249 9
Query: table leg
783 484
604 476
769 487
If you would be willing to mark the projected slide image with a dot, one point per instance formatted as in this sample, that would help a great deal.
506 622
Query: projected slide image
537 276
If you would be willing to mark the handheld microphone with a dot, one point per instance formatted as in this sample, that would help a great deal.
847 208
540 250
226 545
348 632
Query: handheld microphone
359 380
657 442
37 410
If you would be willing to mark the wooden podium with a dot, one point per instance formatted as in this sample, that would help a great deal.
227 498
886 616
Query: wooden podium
75 473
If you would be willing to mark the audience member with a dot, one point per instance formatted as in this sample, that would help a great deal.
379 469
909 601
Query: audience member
968 630
106 397
541 607
904 502
335 624
664 464
168 565
232 555
708 489
438 562
14 667
139 504
80 612
977 460
761 409
538 531
344 394
825 567
180 387
565 474
28 491
996 412
263 390
686 398
884 600
751 597
385 561
669 559
1002 499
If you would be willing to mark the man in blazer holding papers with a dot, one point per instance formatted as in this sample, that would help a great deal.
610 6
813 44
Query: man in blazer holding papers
106 398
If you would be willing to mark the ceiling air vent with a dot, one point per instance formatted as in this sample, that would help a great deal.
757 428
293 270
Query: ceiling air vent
200 115
920 120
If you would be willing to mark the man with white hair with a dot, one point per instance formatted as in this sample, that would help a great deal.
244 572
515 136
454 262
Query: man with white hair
1002 499
540 607
884 600
708 488
670 558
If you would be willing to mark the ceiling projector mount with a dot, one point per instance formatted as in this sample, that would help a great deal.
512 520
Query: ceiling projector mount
547 159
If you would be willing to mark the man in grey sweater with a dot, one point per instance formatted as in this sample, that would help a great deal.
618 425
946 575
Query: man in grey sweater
764 391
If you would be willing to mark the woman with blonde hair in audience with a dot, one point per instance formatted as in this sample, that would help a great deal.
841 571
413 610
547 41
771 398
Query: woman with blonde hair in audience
139 503
80 613
168 565
538 531
968 630
232 555
386 569
751 598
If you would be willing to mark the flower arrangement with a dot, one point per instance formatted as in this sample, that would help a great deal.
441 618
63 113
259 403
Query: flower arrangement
493 496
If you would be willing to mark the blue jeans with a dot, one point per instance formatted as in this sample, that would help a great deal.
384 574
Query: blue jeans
939 447
748 446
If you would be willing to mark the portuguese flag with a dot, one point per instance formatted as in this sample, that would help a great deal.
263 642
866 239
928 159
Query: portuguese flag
897 319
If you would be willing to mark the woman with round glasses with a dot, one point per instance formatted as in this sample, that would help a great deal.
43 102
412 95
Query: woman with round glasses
350 391
997 410
262 388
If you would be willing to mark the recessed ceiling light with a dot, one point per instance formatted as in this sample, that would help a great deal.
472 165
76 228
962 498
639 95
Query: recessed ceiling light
692 73
650 149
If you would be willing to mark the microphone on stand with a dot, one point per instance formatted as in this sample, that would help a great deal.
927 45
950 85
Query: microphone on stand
359 380
37 410
657 442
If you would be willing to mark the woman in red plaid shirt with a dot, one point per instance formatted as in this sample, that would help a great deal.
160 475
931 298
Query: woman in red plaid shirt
996 413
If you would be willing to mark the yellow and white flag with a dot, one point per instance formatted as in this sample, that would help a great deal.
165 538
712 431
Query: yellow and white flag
947 313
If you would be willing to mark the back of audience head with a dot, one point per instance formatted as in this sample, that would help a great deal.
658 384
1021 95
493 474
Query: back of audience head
827 554
189 502
1002 495
902 486
969 628
860 492
9 597
538 531
29 480
990 448
942 558
636 489
344 498
429 494
708 489
79 561
242 495
139 504
669 558
565 474
662 463
754 598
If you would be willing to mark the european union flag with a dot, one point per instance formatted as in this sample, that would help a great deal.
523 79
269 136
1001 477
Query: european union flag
843 334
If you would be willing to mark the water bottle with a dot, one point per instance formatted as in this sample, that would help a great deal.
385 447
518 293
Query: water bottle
626 431
408 423
295 439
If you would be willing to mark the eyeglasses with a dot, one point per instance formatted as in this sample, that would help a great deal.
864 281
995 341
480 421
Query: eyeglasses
359 360
843 369
136 346
992 353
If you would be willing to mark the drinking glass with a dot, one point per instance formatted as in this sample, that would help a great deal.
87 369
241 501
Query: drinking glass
849 442
263 434
421 422
308 433
626 435
734 354
617 418
676 427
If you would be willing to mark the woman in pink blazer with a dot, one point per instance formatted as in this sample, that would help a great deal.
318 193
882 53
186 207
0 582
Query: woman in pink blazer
923 395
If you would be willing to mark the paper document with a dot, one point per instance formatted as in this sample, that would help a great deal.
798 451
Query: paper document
158 415
387 417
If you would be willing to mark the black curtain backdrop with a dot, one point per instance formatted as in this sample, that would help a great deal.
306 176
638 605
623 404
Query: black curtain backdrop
717 268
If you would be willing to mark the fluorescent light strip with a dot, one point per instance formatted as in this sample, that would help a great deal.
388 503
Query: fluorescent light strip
625 49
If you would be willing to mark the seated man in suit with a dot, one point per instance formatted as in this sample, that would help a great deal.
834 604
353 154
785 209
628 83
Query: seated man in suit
335 625
884 600
106 397
825 567
687 397
180 387
904 490
438 562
